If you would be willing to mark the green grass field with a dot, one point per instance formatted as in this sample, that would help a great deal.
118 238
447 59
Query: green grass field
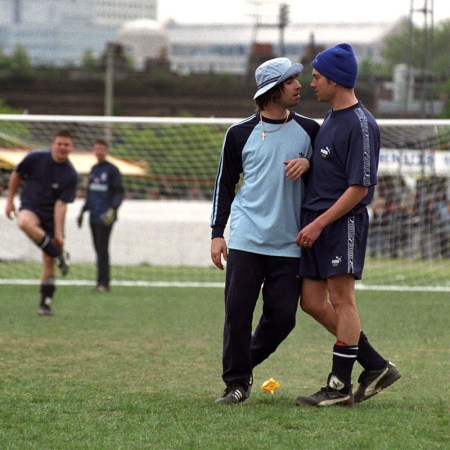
139 368
377 272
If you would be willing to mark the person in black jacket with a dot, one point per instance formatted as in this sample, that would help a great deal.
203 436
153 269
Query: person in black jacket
104 195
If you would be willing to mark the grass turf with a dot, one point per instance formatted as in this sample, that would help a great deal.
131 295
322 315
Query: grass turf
139 368
378 272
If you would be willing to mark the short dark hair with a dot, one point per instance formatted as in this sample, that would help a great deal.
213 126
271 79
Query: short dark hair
101 142
272 94
64 132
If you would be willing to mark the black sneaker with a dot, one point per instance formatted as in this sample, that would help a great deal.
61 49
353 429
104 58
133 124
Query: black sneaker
332 394
373 381
101 288
45 310
233 394
45 307
63 262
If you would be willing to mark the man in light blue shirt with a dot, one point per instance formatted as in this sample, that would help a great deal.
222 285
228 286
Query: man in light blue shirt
271 151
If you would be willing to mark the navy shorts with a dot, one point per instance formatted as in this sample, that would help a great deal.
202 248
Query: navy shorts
340 249
46 217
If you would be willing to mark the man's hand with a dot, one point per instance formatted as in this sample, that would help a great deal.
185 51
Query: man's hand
295 168
10 210
308 235
80 219
59 241
218 249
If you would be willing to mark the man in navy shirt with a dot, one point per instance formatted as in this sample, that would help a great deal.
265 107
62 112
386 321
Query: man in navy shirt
270 149
103 198
50 183
335 223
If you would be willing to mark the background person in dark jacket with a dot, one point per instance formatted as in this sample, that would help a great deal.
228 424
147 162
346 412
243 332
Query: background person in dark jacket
104 195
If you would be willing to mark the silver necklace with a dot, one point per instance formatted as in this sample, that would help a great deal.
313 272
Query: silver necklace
265 133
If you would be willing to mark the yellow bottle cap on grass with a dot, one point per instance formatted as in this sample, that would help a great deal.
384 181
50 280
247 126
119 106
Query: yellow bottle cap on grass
270 386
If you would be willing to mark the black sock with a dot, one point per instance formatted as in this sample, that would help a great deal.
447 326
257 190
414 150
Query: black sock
48 247
368 357
344 356
47 289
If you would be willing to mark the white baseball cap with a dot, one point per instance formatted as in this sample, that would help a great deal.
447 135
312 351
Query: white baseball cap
273 72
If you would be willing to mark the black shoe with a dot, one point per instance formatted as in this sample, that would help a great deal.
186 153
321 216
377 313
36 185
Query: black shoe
101 288
334 393
234 393
373 381
45 310
63 262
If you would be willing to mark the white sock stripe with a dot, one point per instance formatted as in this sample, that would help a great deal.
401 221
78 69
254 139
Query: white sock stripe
46 241
343 355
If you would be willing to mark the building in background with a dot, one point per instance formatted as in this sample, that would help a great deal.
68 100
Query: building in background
405 93
101 12
116 12
58 32
226 48
144 40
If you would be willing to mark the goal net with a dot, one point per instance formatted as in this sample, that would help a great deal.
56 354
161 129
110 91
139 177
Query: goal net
169 167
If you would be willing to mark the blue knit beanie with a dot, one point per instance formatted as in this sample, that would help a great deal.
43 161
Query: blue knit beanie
338 63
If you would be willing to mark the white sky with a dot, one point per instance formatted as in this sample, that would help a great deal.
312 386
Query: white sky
300 11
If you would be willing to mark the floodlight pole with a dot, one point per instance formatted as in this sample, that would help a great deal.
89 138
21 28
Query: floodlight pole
409 53
426 94
109 89
283 21
18 11
109 80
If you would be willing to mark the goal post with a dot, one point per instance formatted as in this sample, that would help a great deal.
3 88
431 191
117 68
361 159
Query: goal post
169 167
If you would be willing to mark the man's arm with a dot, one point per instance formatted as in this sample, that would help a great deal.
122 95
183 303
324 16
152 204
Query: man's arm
85 207
59 218
117 189
13 187
345 203
230 167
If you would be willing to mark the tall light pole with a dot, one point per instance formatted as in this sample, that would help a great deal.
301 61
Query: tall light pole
18 11
282 24
109 88
426 94
109 80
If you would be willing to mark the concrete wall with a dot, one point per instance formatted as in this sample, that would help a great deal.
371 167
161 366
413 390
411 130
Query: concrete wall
156 232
